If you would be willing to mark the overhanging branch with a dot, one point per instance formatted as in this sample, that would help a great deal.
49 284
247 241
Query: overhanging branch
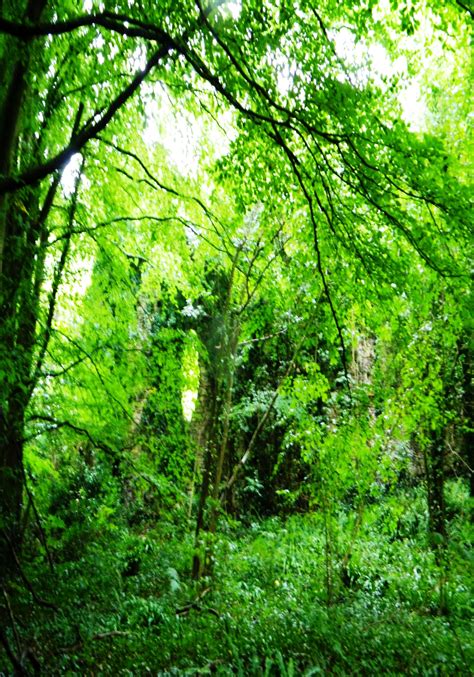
90 131
9 184
117 23
294 165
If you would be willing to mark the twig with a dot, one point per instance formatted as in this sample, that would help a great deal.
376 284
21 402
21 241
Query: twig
184 610
263 338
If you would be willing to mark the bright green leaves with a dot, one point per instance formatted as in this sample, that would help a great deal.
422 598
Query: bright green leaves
263 197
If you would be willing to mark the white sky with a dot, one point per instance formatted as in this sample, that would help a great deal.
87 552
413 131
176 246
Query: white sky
374 65
182 134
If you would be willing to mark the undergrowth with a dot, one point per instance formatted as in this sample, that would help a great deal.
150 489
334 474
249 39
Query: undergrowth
281 600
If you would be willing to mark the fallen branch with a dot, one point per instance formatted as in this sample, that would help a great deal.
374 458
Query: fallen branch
98 635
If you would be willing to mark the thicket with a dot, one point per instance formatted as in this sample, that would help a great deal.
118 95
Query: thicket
236 346
125 603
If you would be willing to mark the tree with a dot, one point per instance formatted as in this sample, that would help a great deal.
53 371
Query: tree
308 132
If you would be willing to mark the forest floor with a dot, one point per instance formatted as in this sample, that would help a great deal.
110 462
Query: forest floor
284 598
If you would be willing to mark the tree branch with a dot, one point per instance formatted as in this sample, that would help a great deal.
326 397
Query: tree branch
9 184
463 6
56 425
56 283
154 183
37 599
39 523
117 23
19 669
294 164
243 460
90 131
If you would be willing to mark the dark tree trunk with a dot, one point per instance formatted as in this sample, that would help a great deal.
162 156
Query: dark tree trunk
468 414
10 116
11 487
203 432
17 303
437 507
435 476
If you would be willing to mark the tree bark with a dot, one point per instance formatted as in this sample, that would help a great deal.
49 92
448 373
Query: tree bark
10 117
203 433
435 477
468 414
11 483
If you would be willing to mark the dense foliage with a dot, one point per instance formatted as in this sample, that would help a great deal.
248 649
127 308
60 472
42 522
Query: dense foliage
236 339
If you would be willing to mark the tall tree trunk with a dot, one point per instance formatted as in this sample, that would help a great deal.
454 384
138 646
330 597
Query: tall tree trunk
11 480
17 355
203 427
10 117
435 476
228 382
468 413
